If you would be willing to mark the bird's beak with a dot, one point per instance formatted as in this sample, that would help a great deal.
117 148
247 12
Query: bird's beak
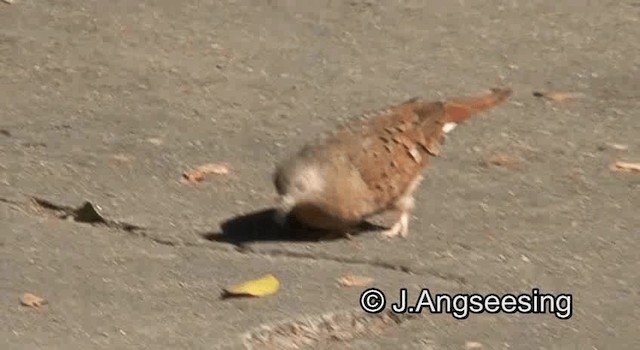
285 204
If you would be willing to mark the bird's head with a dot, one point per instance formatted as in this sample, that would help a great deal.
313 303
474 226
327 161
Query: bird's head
296 181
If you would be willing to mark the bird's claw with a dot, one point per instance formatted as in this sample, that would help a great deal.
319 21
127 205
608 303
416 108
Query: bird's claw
400 228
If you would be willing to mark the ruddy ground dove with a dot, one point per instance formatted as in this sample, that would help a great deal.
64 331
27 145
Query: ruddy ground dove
371 166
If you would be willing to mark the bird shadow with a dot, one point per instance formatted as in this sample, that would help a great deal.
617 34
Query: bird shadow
260 226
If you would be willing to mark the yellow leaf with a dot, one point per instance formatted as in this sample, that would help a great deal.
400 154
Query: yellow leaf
265 285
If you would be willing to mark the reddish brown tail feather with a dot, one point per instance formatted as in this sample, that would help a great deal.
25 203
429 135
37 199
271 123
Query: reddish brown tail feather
460 109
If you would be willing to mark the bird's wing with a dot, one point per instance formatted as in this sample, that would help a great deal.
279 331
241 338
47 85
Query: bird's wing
390 150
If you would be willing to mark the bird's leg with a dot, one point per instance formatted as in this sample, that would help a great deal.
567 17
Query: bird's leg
404 206
401 227
393 231
404 224
388 219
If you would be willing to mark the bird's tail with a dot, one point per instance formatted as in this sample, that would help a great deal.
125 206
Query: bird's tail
460 109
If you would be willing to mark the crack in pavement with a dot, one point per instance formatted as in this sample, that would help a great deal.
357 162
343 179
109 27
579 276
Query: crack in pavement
323 256
89 213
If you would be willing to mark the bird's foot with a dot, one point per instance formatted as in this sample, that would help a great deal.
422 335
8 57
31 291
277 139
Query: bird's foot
400 228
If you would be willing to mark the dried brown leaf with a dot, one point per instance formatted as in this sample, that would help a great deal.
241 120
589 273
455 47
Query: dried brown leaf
198 174
122 158
625 167
559 96
30 300
193 175
214 168
618 146
502 159
354 281
154 141
473 345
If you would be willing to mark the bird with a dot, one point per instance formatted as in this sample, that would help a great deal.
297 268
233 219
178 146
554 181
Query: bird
372 165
